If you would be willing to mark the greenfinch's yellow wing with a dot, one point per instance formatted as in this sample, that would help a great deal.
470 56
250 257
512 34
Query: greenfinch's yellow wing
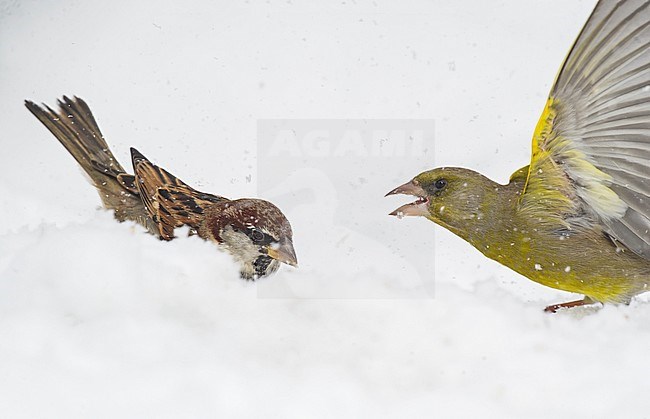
591 147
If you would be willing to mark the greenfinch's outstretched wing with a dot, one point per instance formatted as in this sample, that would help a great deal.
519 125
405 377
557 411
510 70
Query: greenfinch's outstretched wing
591 147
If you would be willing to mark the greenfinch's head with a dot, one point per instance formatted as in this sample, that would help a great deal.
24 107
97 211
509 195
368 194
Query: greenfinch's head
449 196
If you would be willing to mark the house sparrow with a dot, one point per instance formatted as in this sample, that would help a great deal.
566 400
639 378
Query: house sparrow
578 217
253 231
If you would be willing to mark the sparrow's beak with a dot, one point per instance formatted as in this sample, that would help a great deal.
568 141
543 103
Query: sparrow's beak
284 253
419 207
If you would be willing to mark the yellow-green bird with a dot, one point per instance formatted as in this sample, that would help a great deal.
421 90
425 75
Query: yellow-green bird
578 217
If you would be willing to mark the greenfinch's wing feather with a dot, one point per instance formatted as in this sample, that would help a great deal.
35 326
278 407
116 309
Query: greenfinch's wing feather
591 147
169 201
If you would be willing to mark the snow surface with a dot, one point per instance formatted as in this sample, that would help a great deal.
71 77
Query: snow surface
98 319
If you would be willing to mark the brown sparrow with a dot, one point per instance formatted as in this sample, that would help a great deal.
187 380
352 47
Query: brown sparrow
254 231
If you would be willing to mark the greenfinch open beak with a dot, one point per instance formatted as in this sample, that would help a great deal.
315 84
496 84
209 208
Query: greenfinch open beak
418 208
283 253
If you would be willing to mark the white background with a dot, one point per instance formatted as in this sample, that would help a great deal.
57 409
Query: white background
99 320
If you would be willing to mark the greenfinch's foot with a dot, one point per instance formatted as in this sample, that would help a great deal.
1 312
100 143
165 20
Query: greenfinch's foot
555 307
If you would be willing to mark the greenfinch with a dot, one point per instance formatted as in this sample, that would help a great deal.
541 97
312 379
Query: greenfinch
577 218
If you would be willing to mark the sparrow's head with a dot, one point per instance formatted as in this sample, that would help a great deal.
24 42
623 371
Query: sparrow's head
255 232
450 196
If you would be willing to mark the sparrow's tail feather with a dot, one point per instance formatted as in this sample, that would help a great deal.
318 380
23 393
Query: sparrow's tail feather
76 129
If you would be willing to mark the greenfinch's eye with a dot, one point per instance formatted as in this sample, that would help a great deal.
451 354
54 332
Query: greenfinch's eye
440 184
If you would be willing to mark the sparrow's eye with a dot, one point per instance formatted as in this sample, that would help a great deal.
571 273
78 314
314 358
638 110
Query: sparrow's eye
257 235
440 184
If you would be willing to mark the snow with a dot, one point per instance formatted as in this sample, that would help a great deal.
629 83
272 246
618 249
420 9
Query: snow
98 319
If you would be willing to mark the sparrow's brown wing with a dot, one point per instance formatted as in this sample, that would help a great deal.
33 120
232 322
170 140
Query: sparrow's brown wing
169 201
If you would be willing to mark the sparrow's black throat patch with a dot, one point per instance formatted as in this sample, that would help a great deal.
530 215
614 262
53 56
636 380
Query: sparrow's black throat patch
261 264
